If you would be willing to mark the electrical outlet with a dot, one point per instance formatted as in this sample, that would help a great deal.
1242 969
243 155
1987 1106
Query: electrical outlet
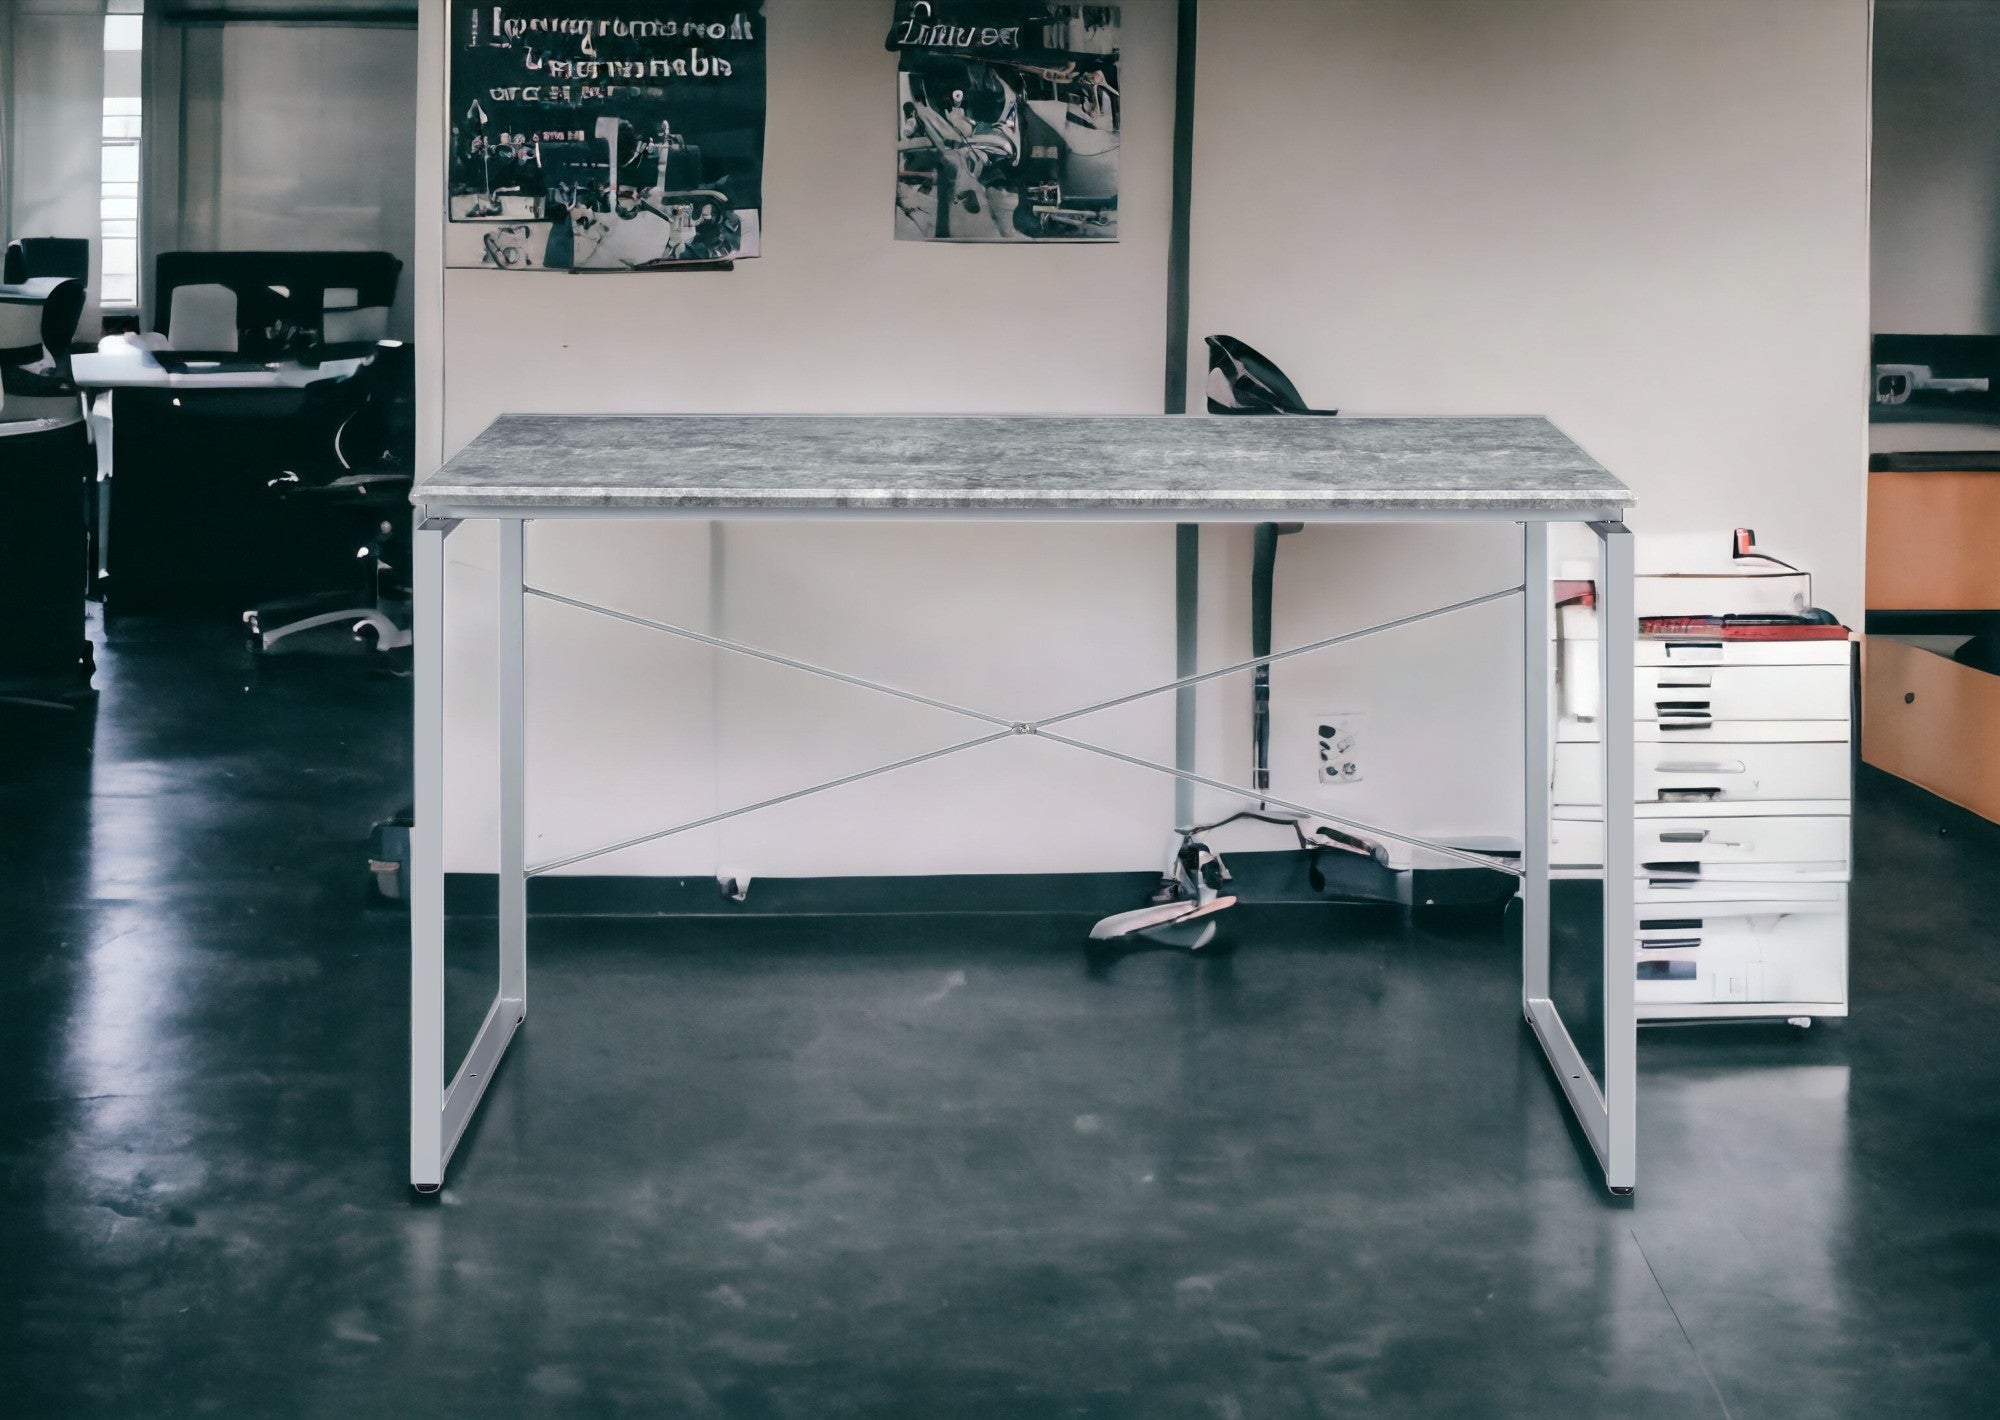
1339 734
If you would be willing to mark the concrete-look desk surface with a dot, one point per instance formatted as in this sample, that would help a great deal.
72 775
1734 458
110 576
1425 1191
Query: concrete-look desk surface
1158 465
1165 468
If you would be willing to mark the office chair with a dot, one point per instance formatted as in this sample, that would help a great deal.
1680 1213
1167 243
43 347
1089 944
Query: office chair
29 258
204 318
37 328
355 471
20 330
345 321
1241 381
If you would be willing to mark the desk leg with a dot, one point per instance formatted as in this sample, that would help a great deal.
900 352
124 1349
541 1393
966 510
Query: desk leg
1607 1111
440 1112
1538 787
513 771
1618 629
427 1149
98 412
1187 621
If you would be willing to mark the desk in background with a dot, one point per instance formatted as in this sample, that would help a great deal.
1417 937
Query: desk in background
185 451
1161 469
178 520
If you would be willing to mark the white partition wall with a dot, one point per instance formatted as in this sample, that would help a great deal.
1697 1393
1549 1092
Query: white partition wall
1646 220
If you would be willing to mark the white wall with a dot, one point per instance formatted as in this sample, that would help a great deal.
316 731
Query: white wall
1646 220
836 315
1937 167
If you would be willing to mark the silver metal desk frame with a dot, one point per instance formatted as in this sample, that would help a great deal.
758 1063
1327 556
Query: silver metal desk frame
442 1105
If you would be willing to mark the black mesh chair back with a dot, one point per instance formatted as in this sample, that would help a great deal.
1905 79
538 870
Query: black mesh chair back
1242 380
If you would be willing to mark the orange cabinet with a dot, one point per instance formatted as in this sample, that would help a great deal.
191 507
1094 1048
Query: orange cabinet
1934 541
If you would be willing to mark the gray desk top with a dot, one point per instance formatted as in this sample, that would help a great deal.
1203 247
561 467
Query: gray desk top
1159 464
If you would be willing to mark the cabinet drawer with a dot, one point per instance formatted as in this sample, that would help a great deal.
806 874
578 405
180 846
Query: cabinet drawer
1742 951
1700 693
1784 882
1716 848
1718 680
1666 772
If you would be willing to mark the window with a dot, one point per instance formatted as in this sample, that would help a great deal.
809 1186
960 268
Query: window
118 190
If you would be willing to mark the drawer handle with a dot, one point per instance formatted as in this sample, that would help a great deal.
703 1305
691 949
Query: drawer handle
1666 971
1703 766
1677 796
1742 845
1671 944
1692 650
1688 680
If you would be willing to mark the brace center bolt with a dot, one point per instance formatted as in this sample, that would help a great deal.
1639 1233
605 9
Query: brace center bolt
1022 727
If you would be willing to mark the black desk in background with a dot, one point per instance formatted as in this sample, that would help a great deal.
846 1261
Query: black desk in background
194 522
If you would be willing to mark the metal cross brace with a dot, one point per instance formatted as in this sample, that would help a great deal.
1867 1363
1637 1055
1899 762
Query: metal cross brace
1008 727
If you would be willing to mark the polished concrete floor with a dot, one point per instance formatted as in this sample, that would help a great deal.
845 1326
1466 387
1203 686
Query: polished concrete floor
918 1166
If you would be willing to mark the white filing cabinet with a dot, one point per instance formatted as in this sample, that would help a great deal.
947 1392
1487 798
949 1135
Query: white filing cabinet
1744 788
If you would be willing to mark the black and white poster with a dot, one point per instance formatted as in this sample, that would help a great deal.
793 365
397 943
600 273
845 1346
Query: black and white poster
605 135
1008 121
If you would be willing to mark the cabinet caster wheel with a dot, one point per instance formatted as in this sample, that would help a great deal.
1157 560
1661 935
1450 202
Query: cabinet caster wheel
427 1188
1621 1192
368 634
1799 1022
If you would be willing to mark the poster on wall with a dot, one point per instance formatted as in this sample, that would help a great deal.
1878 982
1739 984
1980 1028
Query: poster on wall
605 135
1008 121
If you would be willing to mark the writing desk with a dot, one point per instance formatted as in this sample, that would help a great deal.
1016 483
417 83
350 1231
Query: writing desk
129 362
1164 468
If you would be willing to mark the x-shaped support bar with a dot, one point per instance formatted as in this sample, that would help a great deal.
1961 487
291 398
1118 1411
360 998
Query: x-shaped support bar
1007 728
